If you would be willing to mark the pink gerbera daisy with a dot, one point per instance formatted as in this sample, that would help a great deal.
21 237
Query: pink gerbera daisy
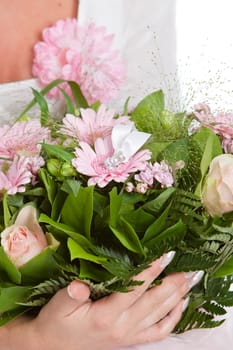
91 124
16 176
93 163
22 139
82 54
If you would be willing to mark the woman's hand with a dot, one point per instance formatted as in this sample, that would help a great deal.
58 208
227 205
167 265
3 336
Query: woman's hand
72 321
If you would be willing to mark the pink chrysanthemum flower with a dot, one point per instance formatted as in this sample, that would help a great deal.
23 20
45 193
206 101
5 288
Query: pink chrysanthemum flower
160 172
221 123
91 124
227 145
146 176
22 139
82 54
17 175
93 163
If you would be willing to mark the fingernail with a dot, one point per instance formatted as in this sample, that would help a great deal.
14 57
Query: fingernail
185 304
194 277
167 258
70 292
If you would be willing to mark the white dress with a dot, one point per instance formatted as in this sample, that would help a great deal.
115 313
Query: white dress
176 45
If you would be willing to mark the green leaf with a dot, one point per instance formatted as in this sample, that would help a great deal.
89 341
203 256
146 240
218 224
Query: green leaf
126 107
156 146
80 239
212 148
42 266
77 211
93 272
147 113
139 219
126 234
95 106
174 231
115 205
157 226
35 192
49 184
69 104
71 186
226 269
9 268
80 100
10 296
175 151
100 202
6 211
43 106
157 204
57 151
58 204
77 252
7 316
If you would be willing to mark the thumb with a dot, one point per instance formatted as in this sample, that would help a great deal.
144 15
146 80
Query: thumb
67 300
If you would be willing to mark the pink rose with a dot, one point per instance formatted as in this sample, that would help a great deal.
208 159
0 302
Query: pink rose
217 194
25 239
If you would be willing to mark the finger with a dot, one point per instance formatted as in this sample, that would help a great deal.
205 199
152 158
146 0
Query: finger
163 328
158 301
122 301
67 300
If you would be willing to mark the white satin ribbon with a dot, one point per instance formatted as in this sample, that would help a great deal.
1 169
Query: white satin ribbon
126 141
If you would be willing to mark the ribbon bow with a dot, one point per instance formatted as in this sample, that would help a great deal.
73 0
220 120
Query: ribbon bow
126 141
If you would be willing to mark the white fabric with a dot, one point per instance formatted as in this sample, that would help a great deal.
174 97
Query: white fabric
15 96
185 48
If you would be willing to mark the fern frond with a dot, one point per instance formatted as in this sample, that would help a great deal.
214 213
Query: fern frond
214 308
193 261
196 319
49 287
188 204
35 303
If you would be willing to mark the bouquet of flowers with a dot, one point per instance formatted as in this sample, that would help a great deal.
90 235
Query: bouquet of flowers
99 195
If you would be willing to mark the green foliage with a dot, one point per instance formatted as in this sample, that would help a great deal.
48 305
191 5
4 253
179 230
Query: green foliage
205 304
9 268
106 236
208 140
151 107
77 211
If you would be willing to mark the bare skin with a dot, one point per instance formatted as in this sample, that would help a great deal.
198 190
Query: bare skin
72 321
21 23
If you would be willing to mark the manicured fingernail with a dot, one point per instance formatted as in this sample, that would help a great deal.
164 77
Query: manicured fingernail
70 291
185 304
194 277
167 258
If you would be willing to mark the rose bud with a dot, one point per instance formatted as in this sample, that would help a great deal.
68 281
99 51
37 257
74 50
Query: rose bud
217 194
25 239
